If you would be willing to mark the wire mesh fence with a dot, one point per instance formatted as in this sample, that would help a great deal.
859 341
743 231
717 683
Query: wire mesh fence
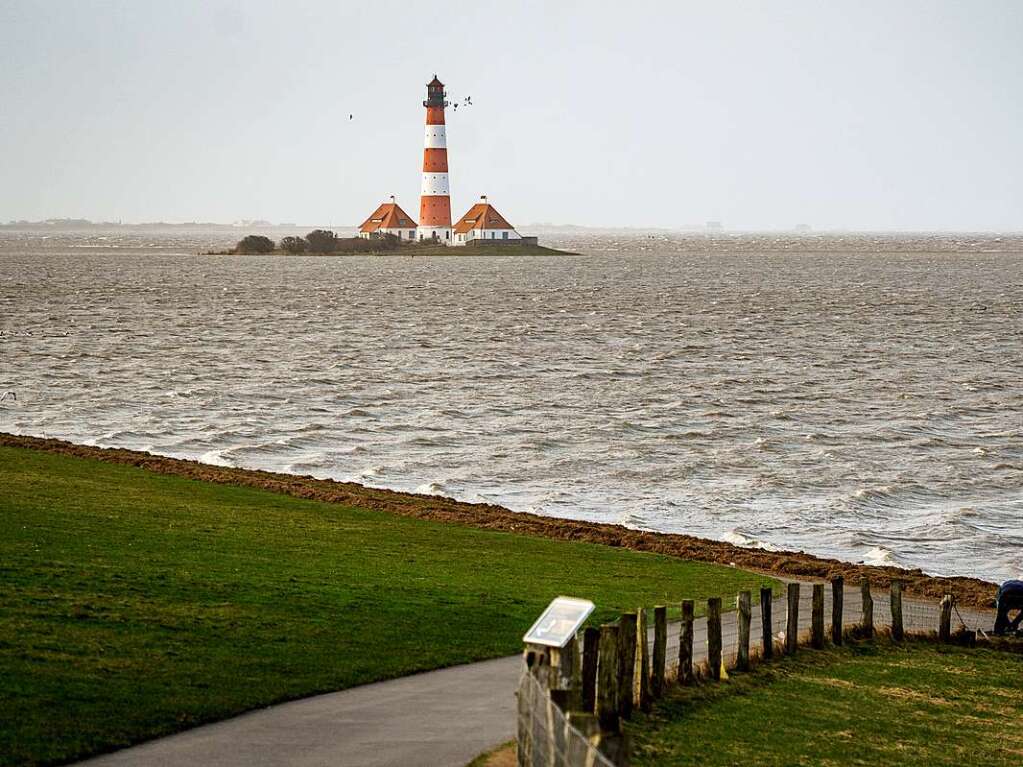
546 737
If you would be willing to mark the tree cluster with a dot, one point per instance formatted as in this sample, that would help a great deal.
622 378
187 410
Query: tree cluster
317 241
255 243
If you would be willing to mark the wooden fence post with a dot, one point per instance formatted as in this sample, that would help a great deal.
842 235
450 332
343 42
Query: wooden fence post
562 667
744 613
660 650
524 735
837 600
685 644
817 617
945 624
868 610
627 668
792 626
608 677
767 626
714 637
896 596
591 643
533 742
576 684
641 674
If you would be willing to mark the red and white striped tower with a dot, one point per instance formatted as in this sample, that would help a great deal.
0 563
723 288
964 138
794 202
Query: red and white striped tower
435 199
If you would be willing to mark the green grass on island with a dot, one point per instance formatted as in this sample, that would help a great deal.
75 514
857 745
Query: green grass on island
416 250
870 704
136 604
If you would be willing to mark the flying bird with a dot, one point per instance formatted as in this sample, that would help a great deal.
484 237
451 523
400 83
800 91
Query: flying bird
11 394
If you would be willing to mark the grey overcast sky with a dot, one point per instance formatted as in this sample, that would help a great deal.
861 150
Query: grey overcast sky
856 115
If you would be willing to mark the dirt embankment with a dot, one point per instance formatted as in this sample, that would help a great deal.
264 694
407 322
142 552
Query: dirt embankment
968 591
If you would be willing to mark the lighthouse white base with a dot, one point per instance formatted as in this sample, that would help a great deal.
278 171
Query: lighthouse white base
440 233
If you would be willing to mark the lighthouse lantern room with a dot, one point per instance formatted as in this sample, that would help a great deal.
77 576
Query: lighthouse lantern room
435 199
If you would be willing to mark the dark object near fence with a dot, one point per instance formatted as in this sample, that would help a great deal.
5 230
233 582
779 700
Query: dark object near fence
744 613
766 603
817 617
896 599
965 637
685 643
837 599
714 637
1010 597
867 624
660 651
254 243
792 626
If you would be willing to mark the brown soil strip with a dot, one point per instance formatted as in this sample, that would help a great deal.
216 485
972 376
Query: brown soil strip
968 591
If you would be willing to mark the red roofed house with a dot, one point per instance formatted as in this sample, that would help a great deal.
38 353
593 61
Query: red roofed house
389 219
483 222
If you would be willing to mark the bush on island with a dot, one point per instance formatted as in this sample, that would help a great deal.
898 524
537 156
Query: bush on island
374 244
321 241
385 240
255 243
293 245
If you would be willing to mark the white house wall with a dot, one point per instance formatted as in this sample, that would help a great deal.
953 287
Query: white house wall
404 234
494 234
487 234
443 234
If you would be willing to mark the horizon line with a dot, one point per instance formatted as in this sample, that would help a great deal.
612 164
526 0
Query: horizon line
69 223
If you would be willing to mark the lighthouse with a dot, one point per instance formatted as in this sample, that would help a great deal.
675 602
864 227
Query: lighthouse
435 195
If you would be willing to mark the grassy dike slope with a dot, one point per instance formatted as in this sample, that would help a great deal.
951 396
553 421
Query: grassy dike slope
869 704
134 604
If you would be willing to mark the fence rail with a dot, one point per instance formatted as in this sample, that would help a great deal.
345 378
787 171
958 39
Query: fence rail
572 700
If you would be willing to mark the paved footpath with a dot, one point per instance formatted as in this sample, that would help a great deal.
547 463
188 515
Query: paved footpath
437 719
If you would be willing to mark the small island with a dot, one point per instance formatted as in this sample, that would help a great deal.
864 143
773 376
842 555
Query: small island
323 242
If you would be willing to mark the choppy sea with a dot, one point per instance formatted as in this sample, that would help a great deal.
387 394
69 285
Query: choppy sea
855 396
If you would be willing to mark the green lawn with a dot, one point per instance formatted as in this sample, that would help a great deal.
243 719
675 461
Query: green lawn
922 704
135 604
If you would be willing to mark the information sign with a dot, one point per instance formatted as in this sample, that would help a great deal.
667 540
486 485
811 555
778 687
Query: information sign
559 622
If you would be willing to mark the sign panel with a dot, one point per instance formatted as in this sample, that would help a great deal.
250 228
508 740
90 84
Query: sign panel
559 622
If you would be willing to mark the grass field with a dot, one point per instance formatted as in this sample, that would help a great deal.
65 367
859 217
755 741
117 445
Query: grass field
921 704
135 604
